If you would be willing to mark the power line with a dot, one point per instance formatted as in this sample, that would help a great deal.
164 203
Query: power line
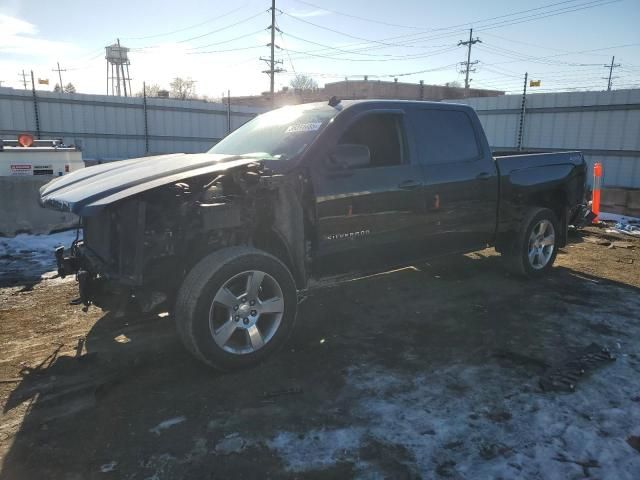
529 44
288 56
304 54
206 34
390 75
356 52
166 34
337 49
355 37
551 13
357 17
562 54
513 21
226 50
240 37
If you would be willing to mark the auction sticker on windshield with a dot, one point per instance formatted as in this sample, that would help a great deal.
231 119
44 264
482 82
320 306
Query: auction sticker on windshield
303 127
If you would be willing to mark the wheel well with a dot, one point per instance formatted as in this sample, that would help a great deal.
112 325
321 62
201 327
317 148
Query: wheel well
272 242
556 201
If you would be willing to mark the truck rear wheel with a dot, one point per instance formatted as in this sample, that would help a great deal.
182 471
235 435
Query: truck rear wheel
536 244
235 307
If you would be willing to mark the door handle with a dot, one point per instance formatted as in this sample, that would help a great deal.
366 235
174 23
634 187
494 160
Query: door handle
409 185
483 176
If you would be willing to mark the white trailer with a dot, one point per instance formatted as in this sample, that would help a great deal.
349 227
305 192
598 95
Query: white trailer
47 158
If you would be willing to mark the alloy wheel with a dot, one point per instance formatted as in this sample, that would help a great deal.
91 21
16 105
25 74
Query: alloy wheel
246 312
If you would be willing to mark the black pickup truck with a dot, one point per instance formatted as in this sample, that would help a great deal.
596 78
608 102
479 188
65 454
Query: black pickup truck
227 239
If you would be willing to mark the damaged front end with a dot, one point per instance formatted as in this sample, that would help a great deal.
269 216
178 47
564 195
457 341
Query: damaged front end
138 249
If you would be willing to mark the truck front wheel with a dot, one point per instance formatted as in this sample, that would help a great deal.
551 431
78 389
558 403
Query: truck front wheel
235 307
536 244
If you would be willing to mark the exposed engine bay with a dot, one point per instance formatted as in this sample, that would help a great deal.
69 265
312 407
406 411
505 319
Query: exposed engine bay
140 248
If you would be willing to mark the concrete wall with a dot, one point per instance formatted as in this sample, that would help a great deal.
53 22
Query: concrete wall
110 128
605 126
20 211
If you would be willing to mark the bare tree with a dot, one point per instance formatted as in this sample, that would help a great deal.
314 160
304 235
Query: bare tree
183 89
57 88
69 88
152 90
303 82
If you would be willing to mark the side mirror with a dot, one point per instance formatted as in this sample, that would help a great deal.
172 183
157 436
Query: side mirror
349 155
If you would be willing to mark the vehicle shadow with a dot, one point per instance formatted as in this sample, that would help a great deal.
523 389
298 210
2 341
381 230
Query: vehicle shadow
131 403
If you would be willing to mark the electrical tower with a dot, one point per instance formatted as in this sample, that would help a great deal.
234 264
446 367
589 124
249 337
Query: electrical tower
59 70
469 64
611 67
272 62
117 58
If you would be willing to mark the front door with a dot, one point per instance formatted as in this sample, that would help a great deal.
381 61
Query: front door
369 216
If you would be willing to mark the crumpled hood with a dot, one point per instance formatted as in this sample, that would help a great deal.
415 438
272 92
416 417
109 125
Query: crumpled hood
88 190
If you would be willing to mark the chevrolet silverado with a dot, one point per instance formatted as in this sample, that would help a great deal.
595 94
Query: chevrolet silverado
228 240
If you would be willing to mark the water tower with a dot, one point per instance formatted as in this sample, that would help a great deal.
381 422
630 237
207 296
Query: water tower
117 63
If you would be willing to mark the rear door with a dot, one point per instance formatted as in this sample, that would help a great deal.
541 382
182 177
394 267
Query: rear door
461 183
369 216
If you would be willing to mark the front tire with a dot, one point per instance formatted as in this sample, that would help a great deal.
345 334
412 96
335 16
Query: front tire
236 307
536 245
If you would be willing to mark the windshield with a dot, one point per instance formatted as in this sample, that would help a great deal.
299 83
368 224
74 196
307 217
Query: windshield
279 134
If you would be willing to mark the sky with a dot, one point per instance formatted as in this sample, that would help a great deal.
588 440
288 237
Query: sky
565 44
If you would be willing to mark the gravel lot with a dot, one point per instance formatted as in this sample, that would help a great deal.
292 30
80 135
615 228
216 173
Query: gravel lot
427 372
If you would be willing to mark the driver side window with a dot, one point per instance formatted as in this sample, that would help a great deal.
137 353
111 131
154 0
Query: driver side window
383 134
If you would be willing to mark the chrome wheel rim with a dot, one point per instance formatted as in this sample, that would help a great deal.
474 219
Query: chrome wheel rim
542 242
246 312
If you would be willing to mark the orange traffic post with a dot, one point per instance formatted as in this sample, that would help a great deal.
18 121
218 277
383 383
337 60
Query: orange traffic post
595 197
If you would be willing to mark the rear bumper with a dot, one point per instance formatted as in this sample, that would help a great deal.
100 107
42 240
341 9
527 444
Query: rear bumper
582 216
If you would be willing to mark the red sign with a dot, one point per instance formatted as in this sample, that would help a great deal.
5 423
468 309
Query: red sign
21 169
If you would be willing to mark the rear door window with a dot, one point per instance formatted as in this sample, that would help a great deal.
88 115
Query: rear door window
445 136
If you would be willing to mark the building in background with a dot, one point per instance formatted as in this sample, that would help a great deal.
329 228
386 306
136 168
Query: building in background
361 89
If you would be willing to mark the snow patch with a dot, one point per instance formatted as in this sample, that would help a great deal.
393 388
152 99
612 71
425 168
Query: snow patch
167 424
481 420
317 448
28 257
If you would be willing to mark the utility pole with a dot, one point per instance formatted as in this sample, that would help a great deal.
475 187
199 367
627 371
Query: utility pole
611 67
273 46
24 79
523 108
272 62
35 105
468 64
228 111
59 70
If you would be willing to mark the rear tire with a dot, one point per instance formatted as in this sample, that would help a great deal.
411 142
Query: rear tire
236 307
536 244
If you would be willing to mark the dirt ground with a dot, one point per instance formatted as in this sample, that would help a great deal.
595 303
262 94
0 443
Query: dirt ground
428 372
